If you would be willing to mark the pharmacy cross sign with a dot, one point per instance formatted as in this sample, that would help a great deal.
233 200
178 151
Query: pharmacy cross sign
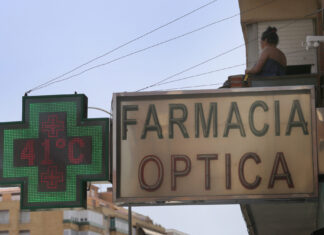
54 151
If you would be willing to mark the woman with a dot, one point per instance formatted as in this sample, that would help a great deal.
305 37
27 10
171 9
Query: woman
272 61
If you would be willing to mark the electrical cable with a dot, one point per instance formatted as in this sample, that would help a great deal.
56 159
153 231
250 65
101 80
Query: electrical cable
122 57
192 67
186 87
129 42
202 74
55 80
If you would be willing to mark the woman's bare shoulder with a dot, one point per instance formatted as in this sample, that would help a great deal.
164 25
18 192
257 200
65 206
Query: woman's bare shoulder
283 58
265 53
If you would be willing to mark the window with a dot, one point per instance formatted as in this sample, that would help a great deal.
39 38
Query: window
4 233
15 196
118 224
24 232
71 215
4 217
24 217
73 232
89 233
69 232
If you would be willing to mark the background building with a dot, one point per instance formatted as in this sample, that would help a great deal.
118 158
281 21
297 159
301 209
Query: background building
102 217
175 232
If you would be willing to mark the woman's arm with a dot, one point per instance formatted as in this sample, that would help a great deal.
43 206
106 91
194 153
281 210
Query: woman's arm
257 68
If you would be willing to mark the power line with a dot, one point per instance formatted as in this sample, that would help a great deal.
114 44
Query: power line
128 42
202 74
186 87
121 57
55 80
192 67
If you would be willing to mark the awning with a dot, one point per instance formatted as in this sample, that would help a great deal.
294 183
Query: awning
150 232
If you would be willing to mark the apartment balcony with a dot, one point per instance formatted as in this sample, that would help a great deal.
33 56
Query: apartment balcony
286 217
314 79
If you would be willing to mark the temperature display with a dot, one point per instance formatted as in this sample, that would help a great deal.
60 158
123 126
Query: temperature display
54 151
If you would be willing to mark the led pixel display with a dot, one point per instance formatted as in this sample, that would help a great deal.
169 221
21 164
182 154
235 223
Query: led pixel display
54 151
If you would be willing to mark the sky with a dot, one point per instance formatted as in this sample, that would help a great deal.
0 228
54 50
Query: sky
40 40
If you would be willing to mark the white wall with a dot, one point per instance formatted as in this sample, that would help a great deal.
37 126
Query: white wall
84 216
121 225
291 36
73 232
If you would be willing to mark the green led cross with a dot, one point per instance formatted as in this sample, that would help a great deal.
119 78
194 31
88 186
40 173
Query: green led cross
54 151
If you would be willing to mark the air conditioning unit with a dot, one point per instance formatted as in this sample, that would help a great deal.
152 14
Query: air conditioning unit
313 41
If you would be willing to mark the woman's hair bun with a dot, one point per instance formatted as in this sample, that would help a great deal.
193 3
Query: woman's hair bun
270 35
271 29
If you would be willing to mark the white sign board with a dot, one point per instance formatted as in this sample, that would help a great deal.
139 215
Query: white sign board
215 146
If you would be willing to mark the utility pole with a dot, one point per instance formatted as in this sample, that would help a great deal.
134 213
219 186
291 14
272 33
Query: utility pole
130 220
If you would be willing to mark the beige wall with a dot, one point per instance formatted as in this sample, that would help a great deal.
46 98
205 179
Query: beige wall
276 10
50 222
13 208
42 222
46 222
135 221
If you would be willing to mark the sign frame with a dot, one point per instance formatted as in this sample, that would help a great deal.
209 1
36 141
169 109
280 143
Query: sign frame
194 200
81 102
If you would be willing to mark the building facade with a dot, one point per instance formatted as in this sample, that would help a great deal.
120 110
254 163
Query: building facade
101 218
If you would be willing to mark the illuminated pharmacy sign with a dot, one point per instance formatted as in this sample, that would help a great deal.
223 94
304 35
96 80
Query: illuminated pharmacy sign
215 146
54 151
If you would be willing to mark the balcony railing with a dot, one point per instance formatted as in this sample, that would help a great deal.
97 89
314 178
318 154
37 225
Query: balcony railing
287 80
